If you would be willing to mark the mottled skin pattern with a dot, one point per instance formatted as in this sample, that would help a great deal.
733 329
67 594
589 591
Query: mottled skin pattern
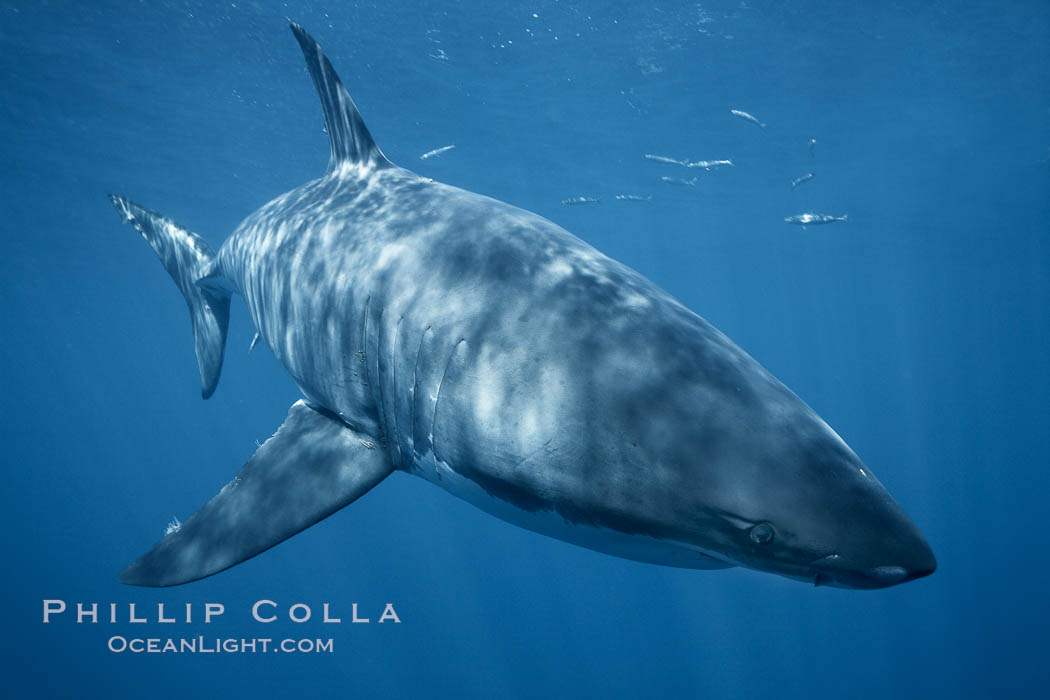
491 352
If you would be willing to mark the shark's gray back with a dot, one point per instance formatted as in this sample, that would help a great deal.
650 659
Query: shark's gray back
474 336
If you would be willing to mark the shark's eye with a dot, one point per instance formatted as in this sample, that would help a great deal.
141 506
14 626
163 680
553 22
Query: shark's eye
762 533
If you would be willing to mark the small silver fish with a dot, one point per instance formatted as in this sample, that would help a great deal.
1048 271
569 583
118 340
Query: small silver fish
437 152
809 218
664 159
678 181
747 117
812 145
800 180
707 164
571 201
254 341
633 198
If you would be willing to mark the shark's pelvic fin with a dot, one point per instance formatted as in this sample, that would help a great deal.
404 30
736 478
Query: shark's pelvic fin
347 134
313 466
188 259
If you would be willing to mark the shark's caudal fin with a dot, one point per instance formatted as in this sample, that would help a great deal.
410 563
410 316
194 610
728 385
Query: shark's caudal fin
313 466
188 259
347 134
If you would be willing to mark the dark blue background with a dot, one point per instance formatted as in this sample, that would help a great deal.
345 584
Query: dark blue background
920 329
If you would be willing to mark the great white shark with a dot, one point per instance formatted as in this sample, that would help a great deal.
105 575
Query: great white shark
487 350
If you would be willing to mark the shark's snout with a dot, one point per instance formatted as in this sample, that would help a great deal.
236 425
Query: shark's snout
912 558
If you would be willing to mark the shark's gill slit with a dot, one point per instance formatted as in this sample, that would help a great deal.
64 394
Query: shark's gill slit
394 385
378 387
364 343
415 386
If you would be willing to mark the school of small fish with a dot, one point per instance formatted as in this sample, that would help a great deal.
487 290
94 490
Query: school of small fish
803 220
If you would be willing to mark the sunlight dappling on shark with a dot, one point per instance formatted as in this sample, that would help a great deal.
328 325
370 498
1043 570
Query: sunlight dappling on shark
485 349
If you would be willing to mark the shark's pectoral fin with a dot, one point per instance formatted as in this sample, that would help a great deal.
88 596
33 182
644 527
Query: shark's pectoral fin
313 466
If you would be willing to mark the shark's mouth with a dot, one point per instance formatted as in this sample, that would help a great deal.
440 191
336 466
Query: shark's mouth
834 570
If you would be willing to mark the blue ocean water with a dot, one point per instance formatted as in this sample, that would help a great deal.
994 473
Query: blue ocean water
920 329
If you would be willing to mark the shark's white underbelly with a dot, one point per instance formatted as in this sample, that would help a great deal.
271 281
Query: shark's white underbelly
637 547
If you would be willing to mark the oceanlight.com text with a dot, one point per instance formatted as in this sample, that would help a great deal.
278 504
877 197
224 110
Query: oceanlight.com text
218 645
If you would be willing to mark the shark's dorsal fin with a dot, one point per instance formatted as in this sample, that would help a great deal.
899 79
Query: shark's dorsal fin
347 134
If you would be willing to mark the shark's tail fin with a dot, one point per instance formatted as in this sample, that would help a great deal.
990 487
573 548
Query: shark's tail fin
188 259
